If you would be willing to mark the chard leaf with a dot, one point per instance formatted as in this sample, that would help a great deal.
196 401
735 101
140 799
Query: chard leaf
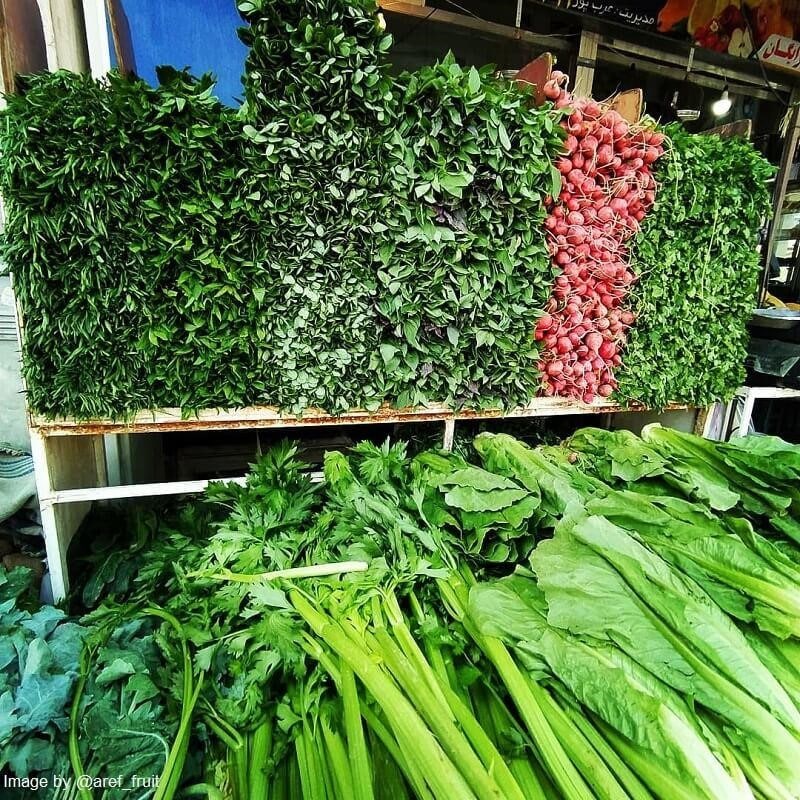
469 499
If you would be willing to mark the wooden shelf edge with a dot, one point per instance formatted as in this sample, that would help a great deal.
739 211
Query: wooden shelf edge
171 419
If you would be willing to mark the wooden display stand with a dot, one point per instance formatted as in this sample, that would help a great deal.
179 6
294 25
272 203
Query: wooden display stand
69 455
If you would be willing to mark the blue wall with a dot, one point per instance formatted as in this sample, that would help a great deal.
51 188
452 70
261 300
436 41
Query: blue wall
198 34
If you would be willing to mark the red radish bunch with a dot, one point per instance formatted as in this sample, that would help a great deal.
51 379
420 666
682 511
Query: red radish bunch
606 190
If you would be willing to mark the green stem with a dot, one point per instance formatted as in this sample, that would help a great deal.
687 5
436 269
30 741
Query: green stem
634 787
74 748
337 759
445 780
527 696
260 768
356 745
433 707
239 767
493 717
583 755
312 776
173 769
408 767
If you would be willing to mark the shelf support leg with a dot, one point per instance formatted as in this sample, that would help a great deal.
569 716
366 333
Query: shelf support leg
449 434
746 415
56 553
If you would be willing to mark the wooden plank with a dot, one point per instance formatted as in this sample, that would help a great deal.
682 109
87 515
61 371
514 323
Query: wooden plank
171 419
536 73
628 105
74 462
94 14
88 494
769 393
473 24
606 56
120 37
587 58
701 421
740 129
71 497
23 41
69 35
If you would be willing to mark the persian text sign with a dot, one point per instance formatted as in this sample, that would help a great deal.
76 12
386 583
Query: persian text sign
782 52
640 15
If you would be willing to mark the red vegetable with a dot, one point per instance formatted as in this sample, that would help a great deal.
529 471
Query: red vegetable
606 190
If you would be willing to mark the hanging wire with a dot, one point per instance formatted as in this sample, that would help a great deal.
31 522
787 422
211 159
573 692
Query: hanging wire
763 71
414 28
465 10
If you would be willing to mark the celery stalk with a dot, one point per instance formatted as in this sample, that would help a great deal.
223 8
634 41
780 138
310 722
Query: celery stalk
527 696
434 710
634 787
361 787
261 747
408 767
492 715
445 780
337 759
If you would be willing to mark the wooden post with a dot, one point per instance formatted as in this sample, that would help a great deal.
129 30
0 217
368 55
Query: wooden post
587 56
65 33
781 182
96 26
449 434
22 41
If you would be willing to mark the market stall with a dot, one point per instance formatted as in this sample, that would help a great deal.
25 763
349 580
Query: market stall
611 617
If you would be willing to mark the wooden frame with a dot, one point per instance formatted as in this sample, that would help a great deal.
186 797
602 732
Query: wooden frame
747 397
70 461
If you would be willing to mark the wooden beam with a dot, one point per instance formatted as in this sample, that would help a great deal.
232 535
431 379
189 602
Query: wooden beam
477 25
94 14
781 182
615 50
677 74
587 58
741 129
66 34
22 41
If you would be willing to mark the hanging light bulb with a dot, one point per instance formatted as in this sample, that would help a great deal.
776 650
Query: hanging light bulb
721 106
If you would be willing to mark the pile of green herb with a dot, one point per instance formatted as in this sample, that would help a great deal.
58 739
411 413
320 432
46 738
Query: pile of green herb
339 241
697 267
464 270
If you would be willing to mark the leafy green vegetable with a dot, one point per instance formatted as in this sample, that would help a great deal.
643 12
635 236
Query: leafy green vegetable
697 265
395 211
605 680
356 632
39 654
125 728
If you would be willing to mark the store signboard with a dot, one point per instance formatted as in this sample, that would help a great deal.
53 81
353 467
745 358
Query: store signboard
639 14
737 28
782 53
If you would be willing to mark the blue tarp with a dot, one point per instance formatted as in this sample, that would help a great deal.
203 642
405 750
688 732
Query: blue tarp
198 34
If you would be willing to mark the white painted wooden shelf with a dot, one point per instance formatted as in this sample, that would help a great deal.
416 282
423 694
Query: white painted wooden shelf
70 457
739 413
